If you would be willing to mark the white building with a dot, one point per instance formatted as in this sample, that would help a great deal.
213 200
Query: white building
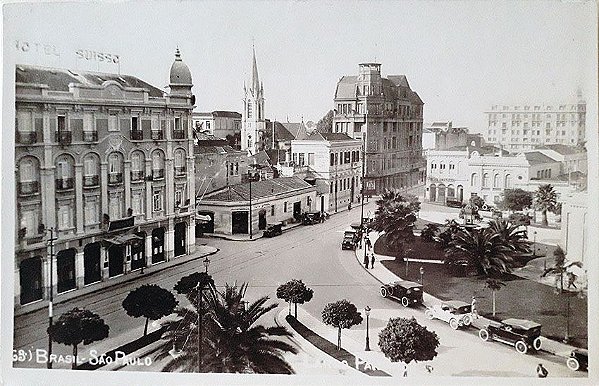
218 123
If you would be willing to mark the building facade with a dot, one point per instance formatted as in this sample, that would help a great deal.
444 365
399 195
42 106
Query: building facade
104 164
334 161
218 123
253 124
523 127
387 115
575 224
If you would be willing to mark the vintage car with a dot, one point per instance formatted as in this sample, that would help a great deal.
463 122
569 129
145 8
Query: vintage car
519 218
358 228
454 312
579 360
453 203
408 292
311 218
273 230
350 239
520 333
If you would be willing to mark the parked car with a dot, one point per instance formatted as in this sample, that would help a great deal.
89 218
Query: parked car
358 228
519 218
579 360
453 203
455 312
408 292
350 239
311 218
520 333
273 230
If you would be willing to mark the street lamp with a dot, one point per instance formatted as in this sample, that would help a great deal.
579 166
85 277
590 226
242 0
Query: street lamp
206 263
200 289
421 275
534 243
50 311
367 311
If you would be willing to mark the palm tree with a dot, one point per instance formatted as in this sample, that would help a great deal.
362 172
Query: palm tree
483 249
429 232
545 200
494 285
232 342
512 235
560 268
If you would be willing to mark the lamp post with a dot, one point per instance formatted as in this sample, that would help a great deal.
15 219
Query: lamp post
50 310
200 289
251 176
422 275
367 311
534 243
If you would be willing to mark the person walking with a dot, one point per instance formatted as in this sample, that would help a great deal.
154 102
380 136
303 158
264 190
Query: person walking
542 371
473 309
366 261
367 242
371 260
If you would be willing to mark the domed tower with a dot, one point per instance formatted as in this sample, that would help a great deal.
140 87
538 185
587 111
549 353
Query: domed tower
253 123
180 80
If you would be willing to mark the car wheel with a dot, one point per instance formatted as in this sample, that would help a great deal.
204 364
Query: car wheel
467 320
573 364
484 334
429 314
405 302
521 347
454 324
384 292
537 343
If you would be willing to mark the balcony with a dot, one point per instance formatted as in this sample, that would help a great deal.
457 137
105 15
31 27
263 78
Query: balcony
90 136
91 181
64 137
28 187
180 171
115 178
157 135
158 174
178 134
26 137
137 175
137 135
63 184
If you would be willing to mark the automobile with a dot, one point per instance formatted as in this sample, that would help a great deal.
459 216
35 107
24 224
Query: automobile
519 218
578 360
497 214
407 292
350 239
522 334
455 312
453 203
358 228
311 218
273 230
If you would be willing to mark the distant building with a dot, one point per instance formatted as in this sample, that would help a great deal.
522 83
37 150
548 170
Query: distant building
253 123
572 159
523 127
333 162
387 115
443 135
284 133
106 162
218 123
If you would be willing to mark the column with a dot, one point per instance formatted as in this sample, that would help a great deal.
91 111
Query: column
148 191
191 234
104 184
47 189
79 198
169 240
127 180
46 276
79 269
17 285
148 244
170 188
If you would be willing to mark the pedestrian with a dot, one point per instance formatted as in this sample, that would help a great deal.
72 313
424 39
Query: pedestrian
366 261
405 370
473 309
349 206
368 243
542 371
371 260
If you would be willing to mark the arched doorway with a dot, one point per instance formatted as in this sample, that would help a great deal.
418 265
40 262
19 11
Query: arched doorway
262 219
116 255
433 193
158 245
180 230
65 269
460 194
239 223
441 193
450 191
138 251
30 278
92 263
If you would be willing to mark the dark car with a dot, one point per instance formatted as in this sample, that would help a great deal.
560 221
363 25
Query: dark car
408 292
350 239
519 219
579 360
311 218
453 203
520 333
273 230
358 228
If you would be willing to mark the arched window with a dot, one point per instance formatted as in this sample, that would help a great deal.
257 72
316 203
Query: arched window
64 172
179 162
158 164
28 175
115 168
486 180
474 179
508 181
137 165
91 172
496 181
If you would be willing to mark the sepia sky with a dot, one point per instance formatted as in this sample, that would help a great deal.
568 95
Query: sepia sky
460 57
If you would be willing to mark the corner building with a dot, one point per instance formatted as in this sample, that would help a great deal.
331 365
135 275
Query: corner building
387 116
104 163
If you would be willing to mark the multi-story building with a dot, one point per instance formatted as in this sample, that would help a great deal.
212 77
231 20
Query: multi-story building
333 161
218 123
104 165
253 124
387 115
525 126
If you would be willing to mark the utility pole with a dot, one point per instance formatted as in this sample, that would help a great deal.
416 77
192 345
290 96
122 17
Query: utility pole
50 311
362 183
251 177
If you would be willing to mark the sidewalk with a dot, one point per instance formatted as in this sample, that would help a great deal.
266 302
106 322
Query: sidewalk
201 251
243 237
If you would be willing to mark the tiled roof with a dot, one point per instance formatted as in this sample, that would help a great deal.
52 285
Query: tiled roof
281 133
260 189
347 87
536 157
215 150
329 137
562 149
298 130
58 79
483 150
275 155
228 114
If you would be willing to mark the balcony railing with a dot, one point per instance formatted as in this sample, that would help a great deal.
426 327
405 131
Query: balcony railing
64 137
157 173
26 137
28 187
91 181
115 178
180 170
137 175
90 136
157 134
178 134
65 183
137 135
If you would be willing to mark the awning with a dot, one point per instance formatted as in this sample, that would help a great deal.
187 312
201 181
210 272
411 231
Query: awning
123 239
203 218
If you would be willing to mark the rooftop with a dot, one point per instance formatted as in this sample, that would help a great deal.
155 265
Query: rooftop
562 149
536 157
329 137
260 189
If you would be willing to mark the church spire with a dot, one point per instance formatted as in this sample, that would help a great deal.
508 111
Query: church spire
255 81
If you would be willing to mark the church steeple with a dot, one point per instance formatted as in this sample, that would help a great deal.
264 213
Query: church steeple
255 80
253 122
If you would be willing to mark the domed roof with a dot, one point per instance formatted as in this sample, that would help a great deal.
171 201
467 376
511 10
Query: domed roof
180 73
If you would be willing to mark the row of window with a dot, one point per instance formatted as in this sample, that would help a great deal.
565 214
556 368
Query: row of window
536 108
344 157
558 116
343 184
497 180
545 173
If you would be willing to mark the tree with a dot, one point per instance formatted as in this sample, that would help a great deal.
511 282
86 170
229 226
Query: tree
429 232
477 201
517 199
451 228
560 267
545 200
151 302
483 249
512 236
494 285
188 285
404 340
78 326
296 292
341 314
232 342
325 125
